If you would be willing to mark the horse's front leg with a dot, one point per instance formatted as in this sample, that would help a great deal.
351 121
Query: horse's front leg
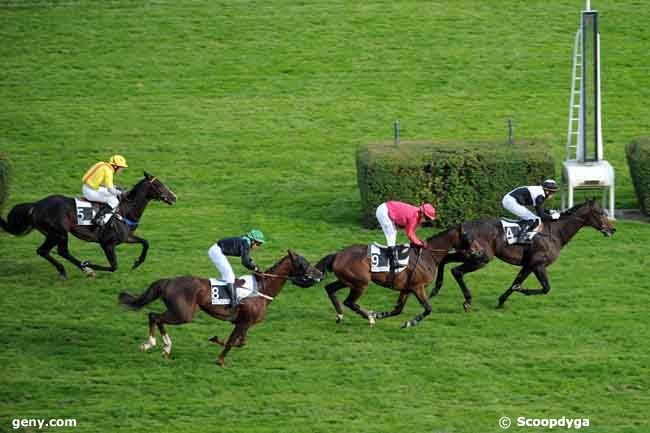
109 251
401 301
422 297
238 334
542 277
449 258
133 239
521 276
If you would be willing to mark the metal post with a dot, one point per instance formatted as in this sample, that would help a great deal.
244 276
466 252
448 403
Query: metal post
510 130
396 127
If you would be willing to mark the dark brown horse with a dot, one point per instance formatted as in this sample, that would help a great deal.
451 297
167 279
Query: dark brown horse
55 216
184 296
488 241
351 266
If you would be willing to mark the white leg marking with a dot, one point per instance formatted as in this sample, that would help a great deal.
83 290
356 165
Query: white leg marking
339 318
167 344
151 342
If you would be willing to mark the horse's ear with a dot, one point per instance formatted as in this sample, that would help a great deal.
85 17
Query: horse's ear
291 254
147 175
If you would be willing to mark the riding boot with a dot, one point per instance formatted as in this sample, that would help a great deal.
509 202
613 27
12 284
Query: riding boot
230 289
99 217
394 259
524 234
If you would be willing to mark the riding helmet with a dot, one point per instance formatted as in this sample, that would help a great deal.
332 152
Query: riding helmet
118 160
550 185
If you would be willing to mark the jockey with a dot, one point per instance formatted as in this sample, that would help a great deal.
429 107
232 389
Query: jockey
239 246
394 214
98 185
517 200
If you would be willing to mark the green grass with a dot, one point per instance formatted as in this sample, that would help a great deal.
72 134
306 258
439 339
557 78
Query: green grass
251 112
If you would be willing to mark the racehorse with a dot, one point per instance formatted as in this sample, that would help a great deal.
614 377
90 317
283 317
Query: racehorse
351 266
488 241
183 296
55 216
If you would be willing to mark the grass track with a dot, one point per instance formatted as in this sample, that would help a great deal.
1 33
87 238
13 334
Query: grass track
251 112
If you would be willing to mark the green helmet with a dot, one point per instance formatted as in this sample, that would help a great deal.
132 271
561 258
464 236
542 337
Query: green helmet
256 235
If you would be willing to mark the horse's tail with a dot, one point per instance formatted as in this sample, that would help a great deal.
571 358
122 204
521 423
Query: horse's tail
19 221
151 294
325 264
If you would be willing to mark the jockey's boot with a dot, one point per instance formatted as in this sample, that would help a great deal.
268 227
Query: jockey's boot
527 231
392 254
230 289
99 219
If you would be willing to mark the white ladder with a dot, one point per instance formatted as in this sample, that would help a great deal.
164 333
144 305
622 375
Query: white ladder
574 135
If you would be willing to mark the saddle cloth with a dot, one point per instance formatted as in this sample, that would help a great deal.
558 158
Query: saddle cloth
247 290
380 261
86 211
512 229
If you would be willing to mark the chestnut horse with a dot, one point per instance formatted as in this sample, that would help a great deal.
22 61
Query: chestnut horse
351 266
55 216
183 296
488 241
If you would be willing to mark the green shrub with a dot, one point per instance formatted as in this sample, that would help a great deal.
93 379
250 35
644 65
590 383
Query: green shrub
638 159
462 180
5 173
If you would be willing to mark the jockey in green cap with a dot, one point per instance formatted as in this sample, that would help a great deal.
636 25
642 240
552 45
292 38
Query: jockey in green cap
238 246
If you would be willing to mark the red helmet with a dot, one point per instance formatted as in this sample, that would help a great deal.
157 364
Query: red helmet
428 211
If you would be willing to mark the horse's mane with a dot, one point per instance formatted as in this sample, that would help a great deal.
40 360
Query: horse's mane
572 211
442 233
272 268
130 195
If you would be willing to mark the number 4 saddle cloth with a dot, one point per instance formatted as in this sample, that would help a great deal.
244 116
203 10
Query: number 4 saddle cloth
380 259
512 230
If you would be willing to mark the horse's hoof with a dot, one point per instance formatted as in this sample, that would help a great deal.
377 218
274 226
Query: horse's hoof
136 264
166 354
371 321
339 318
63 277
500 305
216 340
467 306
220 362
409 324
90 273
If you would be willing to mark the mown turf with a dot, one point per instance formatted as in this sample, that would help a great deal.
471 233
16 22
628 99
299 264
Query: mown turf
251 112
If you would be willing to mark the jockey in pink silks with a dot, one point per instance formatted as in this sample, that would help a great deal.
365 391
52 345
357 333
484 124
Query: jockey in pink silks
395 214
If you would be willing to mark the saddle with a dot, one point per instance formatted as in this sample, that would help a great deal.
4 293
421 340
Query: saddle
519 231
380 257
88 211
245 287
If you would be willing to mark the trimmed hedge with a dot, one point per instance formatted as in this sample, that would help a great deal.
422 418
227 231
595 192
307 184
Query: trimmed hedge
638 159
5 173
462 180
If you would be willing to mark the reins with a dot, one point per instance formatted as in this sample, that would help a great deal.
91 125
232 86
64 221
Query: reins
264 274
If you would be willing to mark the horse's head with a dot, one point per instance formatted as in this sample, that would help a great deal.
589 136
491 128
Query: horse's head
157 190
594 216
303 274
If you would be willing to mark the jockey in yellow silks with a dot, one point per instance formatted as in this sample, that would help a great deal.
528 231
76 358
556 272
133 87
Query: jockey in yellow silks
98 184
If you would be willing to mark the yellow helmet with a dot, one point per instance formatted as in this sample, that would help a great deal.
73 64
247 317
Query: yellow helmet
118 160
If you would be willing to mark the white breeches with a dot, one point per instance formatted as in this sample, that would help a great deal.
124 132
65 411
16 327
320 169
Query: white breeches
102 195
390 231
222 264
510 203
